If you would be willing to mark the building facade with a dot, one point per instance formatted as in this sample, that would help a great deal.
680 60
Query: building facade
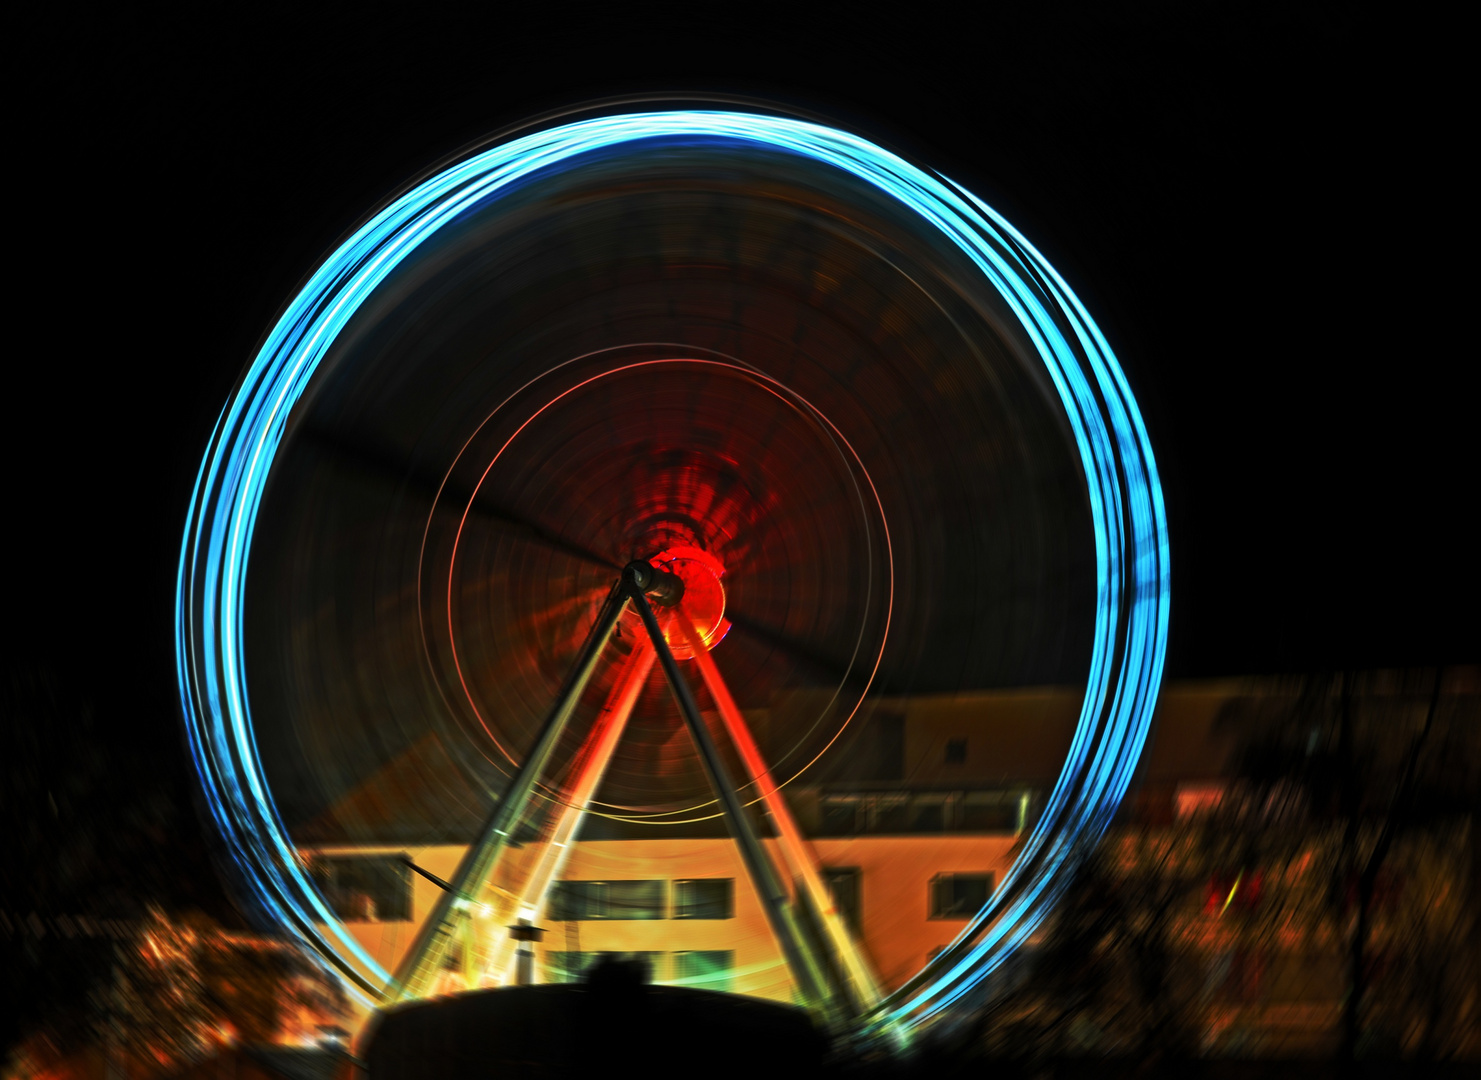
912 833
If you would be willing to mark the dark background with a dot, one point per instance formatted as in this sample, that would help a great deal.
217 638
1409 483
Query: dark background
1256 204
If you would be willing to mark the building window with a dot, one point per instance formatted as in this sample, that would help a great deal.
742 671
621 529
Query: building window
988 812
956 751
704 898
992 811
708 970
567 966
927 815
959 896
907 813
573 900
844 885
841 815
573 967
576 900
891 814
364 888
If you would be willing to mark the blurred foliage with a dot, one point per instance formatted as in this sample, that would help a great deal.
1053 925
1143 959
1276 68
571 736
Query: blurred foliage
112 925
174 992
1324 902
1107 978
1379 774
98 806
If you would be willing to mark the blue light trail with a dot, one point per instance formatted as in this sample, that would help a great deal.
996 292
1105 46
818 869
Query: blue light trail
1130 528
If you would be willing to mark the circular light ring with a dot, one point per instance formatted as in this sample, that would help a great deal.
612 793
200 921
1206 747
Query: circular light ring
801 405
1125 497
777 390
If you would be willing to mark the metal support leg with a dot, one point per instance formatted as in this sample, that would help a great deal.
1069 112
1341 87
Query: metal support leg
861 983
581 787
421 960
774 900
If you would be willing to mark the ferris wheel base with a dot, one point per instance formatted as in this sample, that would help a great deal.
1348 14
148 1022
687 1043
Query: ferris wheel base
583 1030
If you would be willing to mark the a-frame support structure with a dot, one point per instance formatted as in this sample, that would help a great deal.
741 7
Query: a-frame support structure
803 918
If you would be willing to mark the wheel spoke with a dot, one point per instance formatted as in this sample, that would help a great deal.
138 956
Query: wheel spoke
804 654
388 466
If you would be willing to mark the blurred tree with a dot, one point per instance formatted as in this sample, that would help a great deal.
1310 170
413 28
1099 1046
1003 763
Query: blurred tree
1105 978
1385 767
94 831
113 921
1338 869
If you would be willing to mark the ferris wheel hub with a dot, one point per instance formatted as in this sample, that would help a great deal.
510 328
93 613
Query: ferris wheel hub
662 587
703 595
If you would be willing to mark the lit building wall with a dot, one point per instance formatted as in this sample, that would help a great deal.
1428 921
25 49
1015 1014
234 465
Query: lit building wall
895 876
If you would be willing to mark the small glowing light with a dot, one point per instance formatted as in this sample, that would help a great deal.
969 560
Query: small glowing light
1232 890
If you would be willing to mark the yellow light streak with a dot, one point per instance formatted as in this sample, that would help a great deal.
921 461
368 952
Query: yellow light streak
1232 890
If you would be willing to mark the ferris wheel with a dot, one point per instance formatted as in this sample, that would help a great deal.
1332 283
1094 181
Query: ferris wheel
621 471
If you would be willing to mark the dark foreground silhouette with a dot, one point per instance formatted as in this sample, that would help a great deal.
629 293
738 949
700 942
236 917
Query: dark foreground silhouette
614 1024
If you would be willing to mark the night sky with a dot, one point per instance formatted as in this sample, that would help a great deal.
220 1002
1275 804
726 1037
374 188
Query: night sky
1253 206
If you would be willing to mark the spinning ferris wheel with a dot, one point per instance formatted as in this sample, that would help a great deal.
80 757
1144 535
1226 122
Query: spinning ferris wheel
621 470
